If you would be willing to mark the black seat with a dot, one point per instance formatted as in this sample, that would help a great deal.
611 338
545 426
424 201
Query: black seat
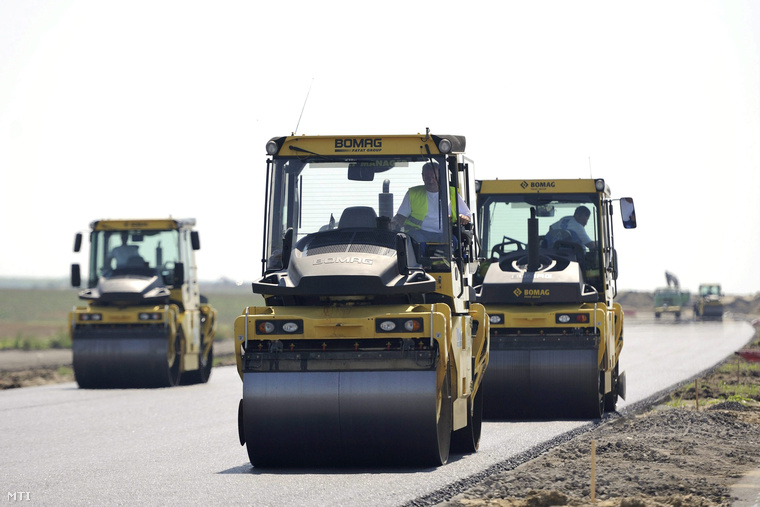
358 216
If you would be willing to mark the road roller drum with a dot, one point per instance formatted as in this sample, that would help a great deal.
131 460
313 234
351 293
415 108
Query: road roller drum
340 418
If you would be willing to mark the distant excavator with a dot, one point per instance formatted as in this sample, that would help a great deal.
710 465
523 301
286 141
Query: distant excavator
670 299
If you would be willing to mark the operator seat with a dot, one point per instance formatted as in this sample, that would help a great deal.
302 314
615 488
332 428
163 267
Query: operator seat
358 216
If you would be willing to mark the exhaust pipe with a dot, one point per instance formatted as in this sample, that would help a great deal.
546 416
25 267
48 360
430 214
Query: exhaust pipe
533 263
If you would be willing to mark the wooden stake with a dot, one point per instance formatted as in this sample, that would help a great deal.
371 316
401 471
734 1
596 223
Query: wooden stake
738 367
696 393
593 471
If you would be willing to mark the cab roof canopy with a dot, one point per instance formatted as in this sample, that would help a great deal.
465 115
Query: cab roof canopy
340 146
114 224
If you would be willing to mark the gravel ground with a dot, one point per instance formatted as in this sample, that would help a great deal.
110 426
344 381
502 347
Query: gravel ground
689 449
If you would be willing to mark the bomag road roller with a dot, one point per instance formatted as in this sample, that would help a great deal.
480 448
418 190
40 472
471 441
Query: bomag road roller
145 323
369 349
709 302
548 281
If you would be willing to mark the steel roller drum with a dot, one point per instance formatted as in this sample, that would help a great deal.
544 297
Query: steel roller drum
355 417
540 383
120 358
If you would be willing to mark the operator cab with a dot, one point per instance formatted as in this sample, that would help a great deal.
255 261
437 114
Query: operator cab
333 226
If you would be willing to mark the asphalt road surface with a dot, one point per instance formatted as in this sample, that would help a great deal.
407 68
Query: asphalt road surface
179 446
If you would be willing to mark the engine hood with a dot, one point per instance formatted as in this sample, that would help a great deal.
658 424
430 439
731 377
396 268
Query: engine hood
351 262
556 281
128 290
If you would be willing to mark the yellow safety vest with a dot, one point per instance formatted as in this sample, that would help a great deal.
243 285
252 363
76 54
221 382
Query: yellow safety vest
418 202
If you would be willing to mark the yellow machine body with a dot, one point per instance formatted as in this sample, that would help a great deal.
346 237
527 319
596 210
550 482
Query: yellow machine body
145 323
549 288
369 349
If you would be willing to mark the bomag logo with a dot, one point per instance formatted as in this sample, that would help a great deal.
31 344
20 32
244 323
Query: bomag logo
343 260
356 145
531 293
537 185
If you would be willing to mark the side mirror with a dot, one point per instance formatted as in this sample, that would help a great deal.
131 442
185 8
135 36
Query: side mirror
77 241
628 212
76 277
195 240
179 274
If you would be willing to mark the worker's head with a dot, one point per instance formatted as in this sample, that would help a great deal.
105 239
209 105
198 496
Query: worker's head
124 237
581 215
430 176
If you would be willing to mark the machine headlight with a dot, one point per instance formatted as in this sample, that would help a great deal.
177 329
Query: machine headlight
399 325
290 327
572 318
265 327
413 325
149 316
496 318
279 326
271 148
599 184
91 316
444 145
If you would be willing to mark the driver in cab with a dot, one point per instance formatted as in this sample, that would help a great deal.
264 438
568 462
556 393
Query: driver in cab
418 213
575 225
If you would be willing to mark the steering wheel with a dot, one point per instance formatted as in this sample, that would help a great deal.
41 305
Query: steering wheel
498 250
569 247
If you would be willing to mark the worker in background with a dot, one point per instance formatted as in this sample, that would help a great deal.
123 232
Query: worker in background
575 225
418 213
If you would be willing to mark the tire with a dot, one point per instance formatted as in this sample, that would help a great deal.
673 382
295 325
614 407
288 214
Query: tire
467 440
174 361
611 398
444 425
205 364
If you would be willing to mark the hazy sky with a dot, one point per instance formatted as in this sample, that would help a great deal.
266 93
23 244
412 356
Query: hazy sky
155 108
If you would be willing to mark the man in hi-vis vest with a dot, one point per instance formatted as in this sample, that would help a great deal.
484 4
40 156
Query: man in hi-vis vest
418 213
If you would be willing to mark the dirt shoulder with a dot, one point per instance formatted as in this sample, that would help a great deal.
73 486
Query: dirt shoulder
697 446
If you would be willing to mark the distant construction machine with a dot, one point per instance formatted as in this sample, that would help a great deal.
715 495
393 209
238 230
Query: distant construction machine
369 349
709 302
145 323
548 286
670 299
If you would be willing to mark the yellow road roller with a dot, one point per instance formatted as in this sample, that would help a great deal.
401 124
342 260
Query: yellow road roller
548 283
369 349
145 323
709 302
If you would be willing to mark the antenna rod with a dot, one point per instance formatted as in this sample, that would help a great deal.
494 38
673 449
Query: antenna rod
304 106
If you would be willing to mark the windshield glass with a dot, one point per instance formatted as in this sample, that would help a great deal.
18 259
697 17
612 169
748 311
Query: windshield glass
310 197
133 252
567 226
